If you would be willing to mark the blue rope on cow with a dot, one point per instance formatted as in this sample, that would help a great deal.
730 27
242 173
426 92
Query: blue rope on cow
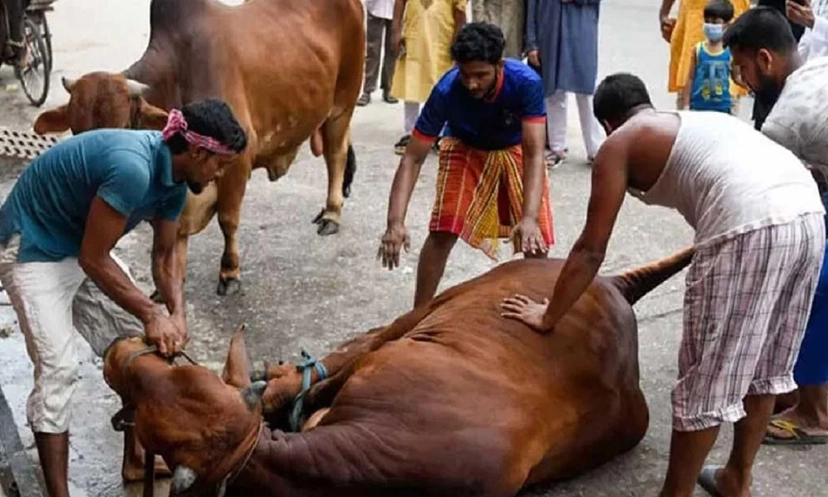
306 366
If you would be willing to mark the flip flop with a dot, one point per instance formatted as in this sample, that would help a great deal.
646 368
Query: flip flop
796 435
707 480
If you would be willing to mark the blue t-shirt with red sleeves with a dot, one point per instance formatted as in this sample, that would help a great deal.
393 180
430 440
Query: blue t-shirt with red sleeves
487 124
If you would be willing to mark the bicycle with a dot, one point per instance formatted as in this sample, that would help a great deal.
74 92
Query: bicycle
38 40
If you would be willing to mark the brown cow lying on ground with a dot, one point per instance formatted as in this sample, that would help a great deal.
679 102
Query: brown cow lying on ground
289 69
450 399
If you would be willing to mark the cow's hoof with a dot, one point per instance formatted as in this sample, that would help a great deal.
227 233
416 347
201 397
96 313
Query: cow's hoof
228 286
346 191
156 297
318 218
327 227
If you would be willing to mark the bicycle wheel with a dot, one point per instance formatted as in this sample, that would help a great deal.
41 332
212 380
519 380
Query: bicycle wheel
47 37
34 78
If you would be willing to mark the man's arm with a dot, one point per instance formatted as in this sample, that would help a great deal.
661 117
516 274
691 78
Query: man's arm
397 35
166 271
534 141
104 226
406 177
667 23
429 124
459 14
531 35
609 183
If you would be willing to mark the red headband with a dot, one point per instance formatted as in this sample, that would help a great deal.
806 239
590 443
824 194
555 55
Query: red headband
177 124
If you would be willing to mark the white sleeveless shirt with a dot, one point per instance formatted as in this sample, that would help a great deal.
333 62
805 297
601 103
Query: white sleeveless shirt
726 179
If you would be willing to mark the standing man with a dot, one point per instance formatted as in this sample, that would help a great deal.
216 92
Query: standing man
562 44
58 228
509 16
759 244
379 37
765 50
761 108
491 182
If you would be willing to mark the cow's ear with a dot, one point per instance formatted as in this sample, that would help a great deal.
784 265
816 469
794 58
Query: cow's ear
152 117
237 367
52 121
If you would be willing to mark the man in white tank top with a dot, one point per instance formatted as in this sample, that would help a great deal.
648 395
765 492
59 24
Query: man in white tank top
797 121
759 245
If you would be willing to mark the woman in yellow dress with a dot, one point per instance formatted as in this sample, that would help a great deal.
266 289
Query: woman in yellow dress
684 34
423 32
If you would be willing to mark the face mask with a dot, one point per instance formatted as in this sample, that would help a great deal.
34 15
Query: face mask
714 32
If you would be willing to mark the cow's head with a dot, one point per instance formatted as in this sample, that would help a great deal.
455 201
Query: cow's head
203 425
102 100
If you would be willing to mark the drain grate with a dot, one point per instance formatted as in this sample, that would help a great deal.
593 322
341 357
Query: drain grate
24 145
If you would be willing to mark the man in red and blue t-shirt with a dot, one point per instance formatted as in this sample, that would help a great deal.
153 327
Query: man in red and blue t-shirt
493 118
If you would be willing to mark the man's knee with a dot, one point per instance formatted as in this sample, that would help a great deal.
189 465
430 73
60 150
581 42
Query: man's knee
48 408
99 320
441 241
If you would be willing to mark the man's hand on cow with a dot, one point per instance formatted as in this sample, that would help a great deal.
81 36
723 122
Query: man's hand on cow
527 235
165 333
522 308
802 14
395 238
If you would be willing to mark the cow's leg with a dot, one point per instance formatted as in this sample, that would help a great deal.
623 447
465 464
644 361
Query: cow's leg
335 136
231 188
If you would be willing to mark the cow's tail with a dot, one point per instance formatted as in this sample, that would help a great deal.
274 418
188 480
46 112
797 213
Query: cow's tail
639 282
350 171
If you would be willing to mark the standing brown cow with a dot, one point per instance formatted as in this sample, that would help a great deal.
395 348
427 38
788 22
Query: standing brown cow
450 399
290 70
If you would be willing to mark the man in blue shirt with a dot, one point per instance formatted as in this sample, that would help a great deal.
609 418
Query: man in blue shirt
494 115
58 227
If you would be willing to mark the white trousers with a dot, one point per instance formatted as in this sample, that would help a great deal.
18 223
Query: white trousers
412 112
55 303
591 129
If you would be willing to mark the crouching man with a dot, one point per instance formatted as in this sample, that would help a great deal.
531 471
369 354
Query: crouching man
58 227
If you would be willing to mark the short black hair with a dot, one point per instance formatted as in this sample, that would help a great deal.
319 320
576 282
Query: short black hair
478 42
617 95
719 9
761 28
214 118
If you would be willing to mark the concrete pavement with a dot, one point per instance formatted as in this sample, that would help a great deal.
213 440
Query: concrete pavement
301 290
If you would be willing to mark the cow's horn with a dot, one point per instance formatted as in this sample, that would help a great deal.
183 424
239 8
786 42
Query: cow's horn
136 88
252 395
183 478
68 83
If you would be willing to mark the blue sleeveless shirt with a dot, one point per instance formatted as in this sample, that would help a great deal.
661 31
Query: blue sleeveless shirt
711 81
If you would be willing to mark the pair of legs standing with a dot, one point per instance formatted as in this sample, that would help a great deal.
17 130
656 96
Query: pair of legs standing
592 131
56 304
379 48
747 302
479 198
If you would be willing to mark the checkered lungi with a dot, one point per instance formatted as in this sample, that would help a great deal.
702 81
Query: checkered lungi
746 305
480 195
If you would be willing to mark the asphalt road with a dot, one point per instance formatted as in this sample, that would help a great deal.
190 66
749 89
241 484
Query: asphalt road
301 290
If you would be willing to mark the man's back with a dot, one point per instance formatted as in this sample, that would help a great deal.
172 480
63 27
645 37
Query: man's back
725 178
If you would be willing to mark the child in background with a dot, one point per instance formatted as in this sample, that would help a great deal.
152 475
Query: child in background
708 81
